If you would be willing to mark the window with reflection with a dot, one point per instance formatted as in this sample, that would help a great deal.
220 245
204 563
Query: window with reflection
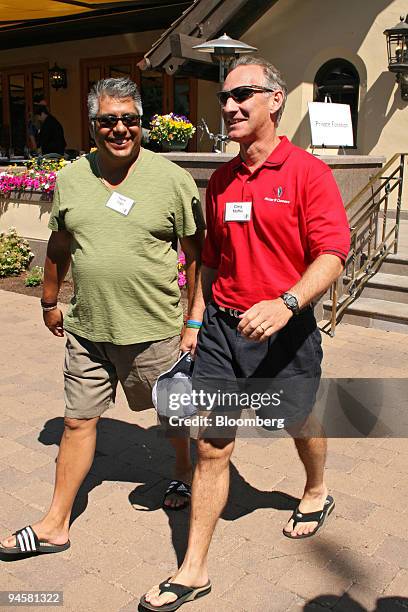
182 96
120 71
3 141
20 88
151 85
17 106
38 85
160 92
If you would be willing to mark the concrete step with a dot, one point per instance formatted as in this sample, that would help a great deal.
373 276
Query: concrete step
369 312
391 287
395 264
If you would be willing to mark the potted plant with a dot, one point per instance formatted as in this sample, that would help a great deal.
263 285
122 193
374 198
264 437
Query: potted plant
171 131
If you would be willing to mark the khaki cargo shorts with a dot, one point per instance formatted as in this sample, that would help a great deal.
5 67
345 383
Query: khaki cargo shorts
92 371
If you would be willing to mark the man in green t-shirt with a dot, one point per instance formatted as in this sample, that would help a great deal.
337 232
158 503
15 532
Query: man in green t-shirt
116 218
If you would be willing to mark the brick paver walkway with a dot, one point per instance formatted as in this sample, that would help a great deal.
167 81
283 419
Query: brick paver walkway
122 542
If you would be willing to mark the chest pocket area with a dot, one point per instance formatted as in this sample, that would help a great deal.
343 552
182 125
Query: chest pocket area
275 214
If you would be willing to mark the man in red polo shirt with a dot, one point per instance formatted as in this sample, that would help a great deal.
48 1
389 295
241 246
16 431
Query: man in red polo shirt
277 238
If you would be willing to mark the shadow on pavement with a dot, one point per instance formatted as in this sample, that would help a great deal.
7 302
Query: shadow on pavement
126 452
345 603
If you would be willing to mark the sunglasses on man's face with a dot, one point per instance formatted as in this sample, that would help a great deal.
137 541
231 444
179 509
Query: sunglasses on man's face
240 94
110 121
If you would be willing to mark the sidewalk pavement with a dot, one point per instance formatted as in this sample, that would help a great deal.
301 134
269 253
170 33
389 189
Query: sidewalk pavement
122 542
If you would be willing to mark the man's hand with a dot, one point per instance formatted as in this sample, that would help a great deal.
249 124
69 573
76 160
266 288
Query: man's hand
264 319
188 340
54 320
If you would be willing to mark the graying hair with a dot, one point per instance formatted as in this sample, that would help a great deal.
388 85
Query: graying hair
113 88
273 78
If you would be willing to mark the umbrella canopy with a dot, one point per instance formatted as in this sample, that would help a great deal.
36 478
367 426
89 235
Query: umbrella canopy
30 22
20 11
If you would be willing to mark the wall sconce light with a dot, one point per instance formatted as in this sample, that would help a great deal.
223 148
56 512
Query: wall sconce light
58 77
397 49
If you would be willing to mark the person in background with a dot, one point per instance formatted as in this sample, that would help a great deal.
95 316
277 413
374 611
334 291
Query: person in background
32 133
51 135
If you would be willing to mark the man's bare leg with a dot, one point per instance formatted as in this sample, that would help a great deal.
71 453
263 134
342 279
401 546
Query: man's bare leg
312 452
183 469
209 496
75 458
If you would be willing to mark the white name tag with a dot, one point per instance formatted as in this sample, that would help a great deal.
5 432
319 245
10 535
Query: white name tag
238 211
120 203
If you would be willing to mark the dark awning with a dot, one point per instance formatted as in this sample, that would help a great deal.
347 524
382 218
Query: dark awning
203 20
31 22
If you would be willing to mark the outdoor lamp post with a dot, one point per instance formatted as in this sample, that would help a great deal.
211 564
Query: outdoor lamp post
223 50
397 48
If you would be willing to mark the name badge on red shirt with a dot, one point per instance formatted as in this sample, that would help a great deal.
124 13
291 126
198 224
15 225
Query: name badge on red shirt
238 211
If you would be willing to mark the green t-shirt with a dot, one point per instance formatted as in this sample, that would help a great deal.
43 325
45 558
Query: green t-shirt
124 268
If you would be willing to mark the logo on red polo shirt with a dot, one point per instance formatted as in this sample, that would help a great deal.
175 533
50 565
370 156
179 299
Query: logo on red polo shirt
278 193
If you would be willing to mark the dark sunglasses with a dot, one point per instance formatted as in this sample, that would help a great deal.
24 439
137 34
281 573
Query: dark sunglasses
110 121
240 94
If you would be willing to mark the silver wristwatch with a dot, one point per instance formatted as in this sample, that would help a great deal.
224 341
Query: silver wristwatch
291 302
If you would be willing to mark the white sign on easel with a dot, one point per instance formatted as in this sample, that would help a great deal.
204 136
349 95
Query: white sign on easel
330 124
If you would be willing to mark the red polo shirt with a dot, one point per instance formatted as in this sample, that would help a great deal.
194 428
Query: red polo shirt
296 215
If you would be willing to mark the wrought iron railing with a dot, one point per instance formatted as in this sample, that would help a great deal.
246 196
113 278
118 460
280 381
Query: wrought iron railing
372 238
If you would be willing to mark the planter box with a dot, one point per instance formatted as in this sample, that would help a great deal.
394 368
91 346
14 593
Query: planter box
28 212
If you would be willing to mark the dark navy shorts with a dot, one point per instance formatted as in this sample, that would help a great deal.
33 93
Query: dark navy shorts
287 366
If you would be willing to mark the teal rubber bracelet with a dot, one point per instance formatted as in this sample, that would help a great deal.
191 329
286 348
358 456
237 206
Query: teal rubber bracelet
193 324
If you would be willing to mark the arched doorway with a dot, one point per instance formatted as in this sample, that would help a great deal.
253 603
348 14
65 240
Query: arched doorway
338 81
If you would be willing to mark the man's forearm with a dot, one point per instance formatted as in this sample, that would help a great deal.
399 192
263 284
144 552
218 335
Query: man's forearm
192 249
56 266
317 279
54 274
194 291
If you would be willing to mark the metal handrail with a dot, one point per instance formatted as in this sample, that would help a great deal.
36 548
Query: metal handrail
366 255
374 179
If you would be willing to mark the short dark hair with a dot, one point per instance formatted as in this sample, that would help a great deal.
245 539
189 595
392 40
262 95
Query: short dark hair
39 109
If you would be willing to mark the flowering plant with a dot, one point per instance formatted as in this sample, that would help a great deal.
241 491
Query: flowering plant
40 175
171 127
32 180
15 253
181 270
45 164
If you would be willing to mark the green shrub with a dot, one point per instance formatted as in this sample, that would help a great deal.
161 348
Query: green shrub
34 277
15 253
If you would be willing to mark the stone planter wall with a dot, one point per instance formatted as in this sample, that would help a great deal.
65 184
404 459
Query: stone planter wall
29 212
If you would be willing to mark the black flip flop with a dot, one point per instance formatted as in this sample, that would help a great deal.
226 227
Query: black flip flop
309 517
28 542
180 488
184 594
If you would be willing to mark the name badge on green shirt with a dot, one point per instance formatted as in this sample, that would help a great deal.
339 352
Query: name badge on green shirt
120 203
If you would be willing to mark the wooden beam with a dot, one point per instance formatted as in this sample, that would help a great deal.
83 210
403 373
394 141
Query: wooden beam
219 18
189 24
182 47
204 20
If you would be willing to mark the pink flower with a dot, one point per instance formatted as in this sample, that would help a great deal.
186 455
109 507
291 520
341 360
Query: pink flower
182 280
